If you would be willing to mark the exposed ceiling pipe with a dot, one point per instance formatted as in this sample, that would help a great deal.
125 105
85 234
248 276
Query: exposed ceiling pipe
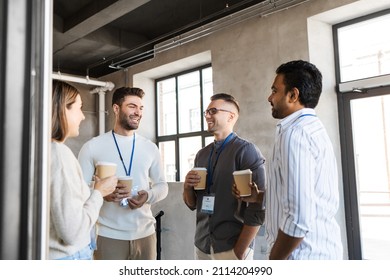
262 9
82 80
166 36
101 89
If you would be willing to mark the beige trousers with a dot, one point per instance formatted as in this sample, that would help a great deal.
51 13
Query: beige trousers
114 249
227 255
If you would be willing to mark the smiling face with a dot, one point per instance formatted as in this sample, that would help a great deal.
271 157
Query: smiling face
129 114
74 116
222 122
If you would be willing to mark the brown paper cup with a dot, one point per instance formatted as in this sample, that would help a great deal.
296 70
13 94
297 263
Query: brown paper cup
203 175
105 169
127 181
242 178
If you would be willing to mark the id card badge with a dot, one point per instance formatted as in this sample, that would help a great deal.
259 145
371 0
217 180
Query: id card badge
208 204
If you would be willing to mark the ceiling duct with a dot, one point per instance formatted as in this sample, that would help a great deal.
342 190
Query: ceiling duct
262 9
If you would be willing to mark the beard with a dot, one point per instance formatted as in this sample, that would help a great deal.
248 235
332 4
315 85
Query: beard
127 123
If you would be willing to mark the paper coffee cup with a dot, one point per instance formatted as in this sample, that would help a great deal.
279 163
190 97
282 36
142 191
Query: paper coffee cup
105 169
242 178
126 181
203 175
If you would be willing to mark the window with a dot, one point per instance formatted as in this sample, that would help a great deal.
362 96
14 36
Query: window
364 48
363 56
181 130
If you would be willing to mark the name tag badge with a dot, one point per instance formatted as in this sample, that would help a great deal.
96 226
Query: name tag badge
208 204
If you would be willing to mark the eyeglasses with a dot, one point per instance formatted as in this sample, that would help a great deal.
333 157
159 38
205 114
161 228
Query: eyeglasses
213 111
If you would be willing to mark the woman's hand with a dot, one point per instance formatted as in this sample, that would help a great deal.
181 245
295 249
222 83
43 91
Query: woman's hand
106 186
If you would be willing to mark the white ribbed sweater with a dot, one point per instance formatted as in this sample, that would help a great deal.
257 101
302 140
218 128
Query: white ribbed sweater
74 210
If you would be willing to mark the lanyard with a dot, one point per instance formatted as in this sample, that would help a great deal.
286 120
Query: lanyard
120 155
210 169
305 115
279 126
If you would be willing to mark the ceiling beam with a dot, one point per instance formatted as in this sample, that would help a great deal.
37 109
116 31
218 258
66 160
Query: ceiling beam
97 14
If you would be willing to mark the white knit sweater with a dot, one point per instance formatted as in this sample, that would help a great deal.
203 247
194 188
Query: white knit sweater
74 209
115 221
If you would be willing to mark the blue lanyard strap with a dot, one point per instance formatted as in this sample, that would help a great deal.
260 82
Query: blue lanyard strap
120 155
305 115
210 168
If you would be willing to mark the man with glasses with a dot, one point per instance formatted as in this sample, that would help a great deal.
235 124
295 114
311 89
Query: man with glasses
225 227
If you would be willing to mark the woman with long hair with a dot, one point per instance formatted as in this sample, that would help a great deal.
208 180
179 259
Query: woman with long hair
74 207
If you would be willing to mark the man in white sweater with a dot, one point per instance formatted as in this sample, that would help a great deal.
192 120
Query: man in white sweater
127 232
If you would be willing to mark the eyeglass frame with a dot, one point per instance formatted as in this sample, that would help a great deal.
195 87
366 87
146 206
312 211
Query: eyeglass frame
215 110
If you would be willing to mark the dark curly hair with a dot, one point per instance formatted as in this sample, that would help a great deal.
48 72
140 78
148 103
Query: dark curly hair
306 78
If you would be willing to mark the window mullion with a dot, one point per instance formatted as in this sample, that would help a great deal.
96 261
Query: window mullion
190 136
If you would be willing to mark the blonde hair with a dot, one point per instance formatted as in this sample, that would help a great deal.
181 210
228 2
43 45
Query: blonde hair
63 96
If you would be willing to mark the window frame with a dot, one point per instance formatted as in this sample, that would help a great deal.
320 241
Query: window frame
346 92
176 137
336 44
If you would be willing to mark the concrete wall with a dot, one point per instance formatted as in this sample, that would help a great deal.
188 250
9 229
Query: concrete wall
244 58
177 225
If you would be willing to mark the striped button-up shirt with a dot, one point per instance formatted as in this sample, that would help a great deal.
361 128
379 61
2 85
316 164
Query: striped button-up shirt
302 197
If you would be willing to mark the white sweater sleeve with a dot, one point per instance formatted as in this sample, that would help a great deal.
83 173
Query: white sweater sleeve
73 208
159 187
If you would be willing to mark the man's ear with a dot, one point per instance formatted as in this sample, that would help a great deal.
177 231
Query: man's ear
294 95
115 108
233 117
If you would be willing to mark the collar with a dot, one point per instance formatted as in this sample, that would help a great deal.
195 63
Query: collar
290 119
124 136
218 144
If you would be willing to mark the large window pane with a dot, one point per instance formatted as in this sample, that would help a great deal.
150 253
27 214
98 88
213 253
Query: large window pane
168 152
189 102
371 138
166 108
364 49
189 146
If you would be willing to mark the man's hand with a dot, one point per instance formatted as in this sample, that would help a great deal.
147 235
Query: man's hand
255 197
192 180
119 193
139 200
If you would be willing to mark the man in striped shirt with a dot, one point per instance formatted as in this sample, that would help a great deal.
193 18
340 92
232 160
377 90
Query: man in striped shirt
302 196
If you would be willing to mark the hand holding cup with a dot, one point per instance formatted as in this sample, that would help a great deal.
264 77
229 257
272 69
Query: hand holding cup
123 189
243 179
196 179
105 179
256 195
106 186
192 179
